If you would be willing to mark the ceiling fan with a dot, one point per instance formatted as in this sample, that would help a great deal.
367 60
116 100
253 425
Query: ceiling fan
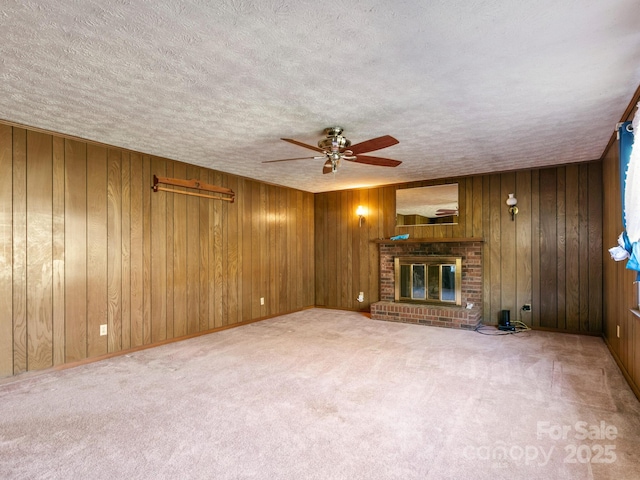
335 148
446 212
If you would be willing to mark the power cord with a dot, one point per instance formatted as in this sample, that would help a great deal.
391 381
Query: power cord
518 327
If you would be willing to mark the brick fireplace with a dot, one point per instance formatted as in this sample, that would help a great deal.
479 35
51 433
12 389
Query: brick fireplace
466 316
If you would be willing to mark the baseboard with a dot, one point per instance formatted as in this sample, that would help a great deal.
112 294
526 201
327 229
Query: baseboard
622 368
86 361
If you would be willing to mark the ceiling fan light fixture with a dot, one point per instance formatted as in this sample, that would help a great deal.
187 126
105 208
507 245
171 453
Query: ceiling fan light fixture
334 149
330 143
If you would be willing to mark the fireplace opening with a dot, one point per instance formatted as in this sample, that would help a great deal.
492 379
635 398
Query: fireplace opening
428 279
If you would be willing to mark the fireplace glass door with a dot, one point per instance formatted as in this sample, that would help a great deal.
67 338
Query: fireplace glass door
428 279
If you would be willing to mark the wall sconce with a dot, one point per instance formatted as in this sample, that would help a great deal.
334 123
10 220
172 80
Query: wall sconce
361 212
512 202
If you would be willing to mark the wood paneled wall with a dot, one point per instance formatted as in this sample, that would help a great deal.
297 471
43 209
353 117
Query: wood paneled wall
84 242
550 256
347 261
619 296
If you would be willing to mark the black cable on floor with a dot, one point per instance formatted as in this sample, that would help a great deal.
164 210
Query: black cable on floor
500 332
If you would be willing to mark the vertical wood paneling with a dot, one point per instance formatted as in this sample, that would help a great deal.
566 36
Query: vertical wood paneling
292 248
203 310
224 252
523 245
6 250
348 255
467 212
272 250
561 253
126 250
39 293
180 256
220 251
96 249
215 261
58 251
634 342
548 249
247 256
494 235
264 247
158 239
238 206
595 247
535 247
85 242
232 257
193 257
137 251
146 249
487 267
342 211
464 213
389 212
309 240
121 214
169 255
612 227
320 247
347 285
372 281
19 250
114 251
75 247
583 202
331 255
524 261
508 251
477 206
572 249
256 241
282 256
363 249
617 281
308 245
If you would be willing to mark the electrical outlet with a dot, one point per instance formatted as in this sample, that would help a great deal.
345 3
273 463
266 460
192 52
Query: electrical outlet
103 330
526 307
618 331
261 300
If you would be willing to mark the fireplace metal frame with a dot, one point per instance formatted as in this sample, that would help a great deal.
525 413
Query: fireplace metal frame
427 261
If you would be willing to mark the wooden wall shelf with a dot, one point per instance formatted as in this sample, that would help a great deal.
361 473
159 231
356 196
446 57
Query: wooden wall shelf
223 193
430 240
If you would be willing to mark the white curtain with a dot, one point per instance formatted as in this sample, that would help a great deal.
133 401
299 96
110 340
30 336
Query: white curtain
629 240
632 188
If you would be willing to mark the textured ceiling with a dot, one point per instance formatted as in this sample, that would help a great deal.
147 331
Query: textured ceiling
466 86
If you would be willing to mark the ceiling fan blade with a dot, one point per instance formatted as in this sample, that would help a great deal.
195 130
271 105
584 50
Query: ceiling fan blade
300 144
381 162
446 212
328 167
373 144
287 159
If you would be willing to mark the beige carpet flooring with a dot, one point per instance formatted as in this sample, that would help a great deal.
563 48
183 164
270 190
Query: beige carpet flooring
324 394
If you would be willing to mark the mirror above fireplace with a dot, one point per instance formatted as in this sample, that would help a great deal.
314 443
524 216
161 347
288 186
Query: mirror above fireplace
432 205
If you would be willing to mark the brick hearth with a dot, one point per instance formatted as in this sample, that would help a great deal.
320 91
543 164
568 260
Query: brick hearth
470 250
